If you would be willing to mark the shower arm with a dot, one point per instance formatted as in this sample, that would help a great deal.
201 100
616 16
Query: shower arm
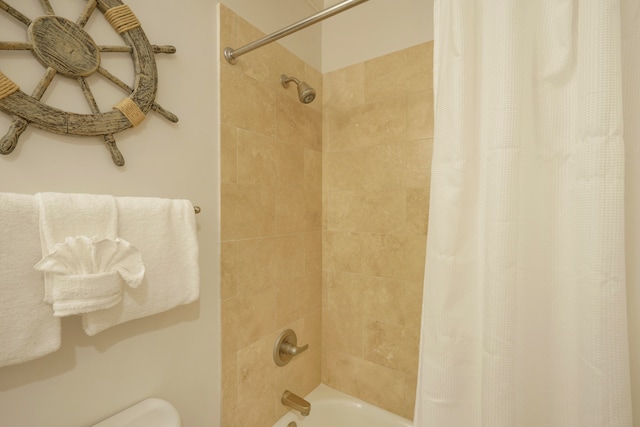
232 54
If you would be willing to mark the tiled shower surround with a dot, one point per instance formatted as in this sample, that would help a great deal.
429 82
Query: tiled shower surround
324 222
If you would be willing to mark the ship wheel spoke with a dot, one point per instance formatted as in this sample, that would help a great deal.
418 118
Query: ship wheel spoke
15 46
15 13
129 49
116 155
86 13
47 7
122 85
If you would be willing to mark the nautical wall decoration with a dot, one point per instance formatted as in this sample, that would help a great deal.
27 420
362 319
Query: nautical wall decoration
67 50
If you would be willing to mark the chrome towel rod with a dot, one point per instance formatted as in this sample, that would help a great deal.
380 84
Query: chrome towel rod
232 54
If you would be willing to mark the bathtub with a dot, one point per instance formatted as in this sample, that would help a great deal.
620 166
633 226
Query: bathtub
332 408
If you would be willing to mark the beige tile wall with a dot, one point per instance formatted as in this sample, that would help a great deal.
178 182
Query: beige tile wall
324 221
271 231
378 135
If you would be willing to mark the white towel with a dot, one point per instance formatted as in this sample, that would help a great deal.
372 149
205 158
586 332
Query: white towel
89 273
28 329
164 231
82 254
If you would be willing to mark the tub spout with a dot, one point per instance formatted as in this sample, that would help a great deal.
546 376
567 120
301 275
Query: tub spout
294 401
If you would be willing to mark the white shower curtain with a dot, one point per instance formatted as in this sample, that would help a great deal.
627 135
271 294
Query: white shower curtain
532 255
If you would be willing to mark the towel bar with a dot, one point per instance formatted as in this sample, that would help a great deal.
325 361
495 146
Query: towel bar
196 209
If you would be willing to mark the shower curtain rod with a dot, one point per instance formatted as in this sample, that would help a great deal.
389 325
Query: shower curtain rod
232 54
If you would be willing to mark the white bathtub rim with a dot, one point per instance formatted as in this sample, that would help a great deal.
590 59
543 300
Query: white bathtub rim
324 395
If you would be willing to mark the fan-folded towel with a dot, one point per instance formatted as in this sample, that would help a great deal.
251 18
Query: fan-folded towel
79 238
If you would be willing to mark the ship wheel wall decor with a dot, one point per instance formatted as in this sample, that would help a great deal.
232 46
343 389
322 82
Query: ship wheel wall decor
66 49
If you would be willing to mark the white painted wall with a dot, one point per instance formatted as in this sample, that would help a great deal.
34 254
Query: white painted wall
174 355
369 30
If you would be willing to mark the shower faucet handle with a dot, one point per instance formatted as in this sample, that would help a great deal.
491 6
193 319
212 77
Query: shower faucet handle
286 347
291 349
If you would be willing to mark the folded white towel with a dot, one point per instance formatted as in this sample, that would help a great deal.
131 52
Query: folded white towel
81 253
28 329
164 231
89 273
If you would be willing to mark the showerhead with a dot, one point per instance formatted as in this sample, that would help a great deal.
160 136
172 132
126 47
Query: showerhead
306 93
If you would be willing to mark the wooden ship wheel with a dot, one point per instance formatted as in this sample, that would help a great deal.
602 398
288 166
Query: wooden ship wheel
66 49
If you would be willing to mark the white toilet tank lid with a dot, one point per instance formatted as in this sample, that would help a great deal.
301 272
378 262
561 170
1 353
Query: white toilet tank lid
151 412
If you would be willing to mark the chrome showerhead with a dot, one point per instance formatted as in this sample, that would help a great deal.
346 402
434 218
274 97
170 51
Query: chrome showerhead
306 93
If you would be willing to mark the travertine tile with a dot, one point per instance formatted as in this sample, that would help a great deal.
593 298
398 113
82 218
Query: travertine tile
420 66
391 345
290 166
246 104
229 339
257 376
246 211
311 332
313 252
390 301
312 170
370 124
413 314
342 332
392 255
417 211
420 115
342 251
297 297
255 64
345 292
265 161
298 211
367 212
228 154
261 263
297 123
228 270
325 288
416 163
373 168
344 88
387 76
257 163
250 316
229 391
257 373
375 298
291 211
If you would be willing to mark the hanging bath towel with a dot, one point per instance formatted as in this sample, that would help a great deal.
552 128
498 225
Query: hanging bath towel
164 231
28 329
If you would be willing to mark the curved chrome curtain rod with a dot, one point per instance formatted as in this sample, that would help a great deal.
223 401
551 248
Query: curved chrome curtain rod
232 54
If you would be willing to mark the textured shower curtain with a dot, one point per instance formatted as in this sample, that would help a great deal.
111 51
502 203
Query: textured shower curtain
532 256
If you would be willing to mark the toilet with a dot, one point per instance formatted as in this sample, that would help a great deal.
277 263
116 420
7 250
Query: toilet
151 412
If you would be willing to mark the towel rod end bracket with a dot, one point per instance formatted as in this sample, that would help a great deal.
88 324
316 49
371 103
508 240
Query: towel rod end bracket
228 55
